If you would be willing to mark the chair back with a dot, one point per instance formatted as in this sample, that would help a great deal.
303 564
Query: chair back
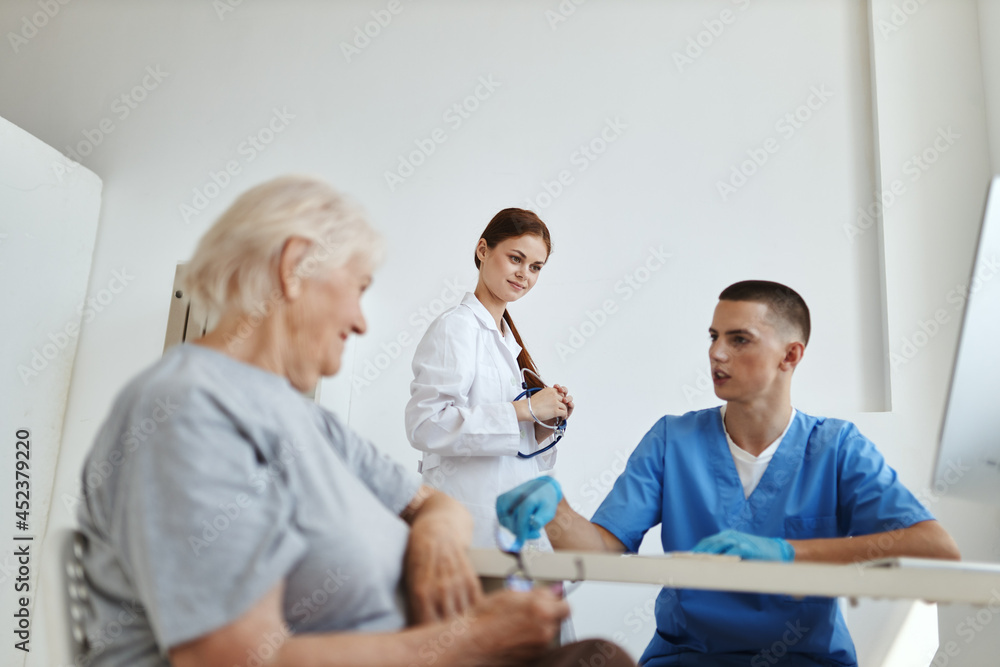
79 606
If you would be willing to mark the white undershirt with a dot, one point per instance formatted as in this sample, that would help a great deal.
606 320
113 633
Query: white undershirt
749 467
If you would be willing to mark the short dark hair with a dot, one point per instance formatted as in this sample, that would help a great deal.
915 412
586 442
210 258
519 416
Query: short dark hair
784 302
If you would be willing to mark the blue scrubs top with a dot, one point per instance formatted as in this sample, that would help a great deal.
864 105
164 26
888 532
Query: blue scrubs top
825 480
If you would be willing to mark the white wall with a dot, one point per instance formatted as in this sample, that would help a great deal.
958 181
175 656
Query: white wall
929 75
989 24
221 79
969 635
49 211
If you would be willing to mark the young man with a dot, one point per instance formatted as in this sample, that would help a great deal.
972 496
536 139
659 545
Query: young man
754 478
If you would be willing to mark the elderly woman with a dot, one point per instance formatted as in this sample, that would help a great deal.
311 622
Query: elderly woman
250 526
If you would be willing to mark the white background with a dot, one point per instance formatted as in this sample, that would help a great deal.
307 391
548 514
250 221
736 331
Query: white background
50 214
654 186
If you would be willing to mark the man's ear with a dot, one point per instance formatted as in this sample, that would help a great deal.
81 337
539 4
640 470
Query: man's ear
292 253
793 355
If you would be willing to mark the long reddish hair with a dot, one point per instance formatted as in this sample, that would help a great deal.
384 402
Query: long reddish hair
511 223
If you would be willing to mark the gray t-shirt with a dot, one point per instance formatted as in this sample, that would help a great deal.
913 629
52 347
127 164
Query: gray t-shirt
213 480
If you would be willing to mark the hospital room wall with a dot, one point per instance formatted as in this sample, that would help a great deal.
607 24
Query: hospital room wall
925 84
970 633
928 76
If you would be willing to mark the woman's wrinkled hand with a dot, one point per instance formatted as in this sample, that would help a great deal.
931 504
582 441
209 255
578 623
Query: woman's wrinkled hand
440 579
516 625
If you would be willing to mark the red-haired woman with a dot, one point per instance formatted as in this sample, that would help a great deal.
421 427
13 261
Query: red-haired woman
478 440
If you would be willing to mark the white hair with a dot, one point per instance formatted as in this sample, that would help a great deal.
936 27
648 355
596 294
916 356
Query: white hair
236 262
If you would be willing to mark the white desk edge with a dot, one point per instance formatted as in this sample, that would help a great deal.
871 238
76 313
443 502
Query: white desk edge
932 584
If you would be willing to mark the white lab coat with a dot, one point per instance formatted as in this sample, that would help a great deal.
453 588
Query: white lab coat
465 376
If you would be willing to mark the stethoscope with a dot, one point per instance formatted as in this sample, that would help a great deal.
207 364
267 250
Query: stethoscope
560 425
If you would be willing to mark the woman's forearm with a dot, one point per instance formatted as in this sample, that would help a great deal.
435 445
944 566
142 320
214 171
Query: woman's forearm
261 634
506 628
438 507
446 644
440 579
522 411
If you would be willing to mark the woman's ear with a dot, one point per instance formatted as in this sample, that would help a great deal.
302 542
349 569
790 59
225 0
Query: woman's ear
481 249
292 253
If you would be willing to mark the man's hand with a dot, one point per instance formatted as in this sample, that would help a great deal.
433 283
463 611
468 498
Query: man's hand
746 546
440 579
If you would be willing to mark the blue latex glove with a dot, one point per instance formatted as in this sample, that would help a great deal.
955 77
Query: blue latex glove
748 547
525 509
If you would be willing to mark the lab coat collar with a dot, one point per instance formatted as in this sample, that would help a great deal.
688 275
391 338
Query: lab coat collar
486 319
479 309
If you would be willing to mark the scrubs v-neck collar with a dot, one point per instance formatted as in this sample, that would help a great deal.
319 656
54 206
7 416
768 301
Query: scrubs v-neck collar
744 511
